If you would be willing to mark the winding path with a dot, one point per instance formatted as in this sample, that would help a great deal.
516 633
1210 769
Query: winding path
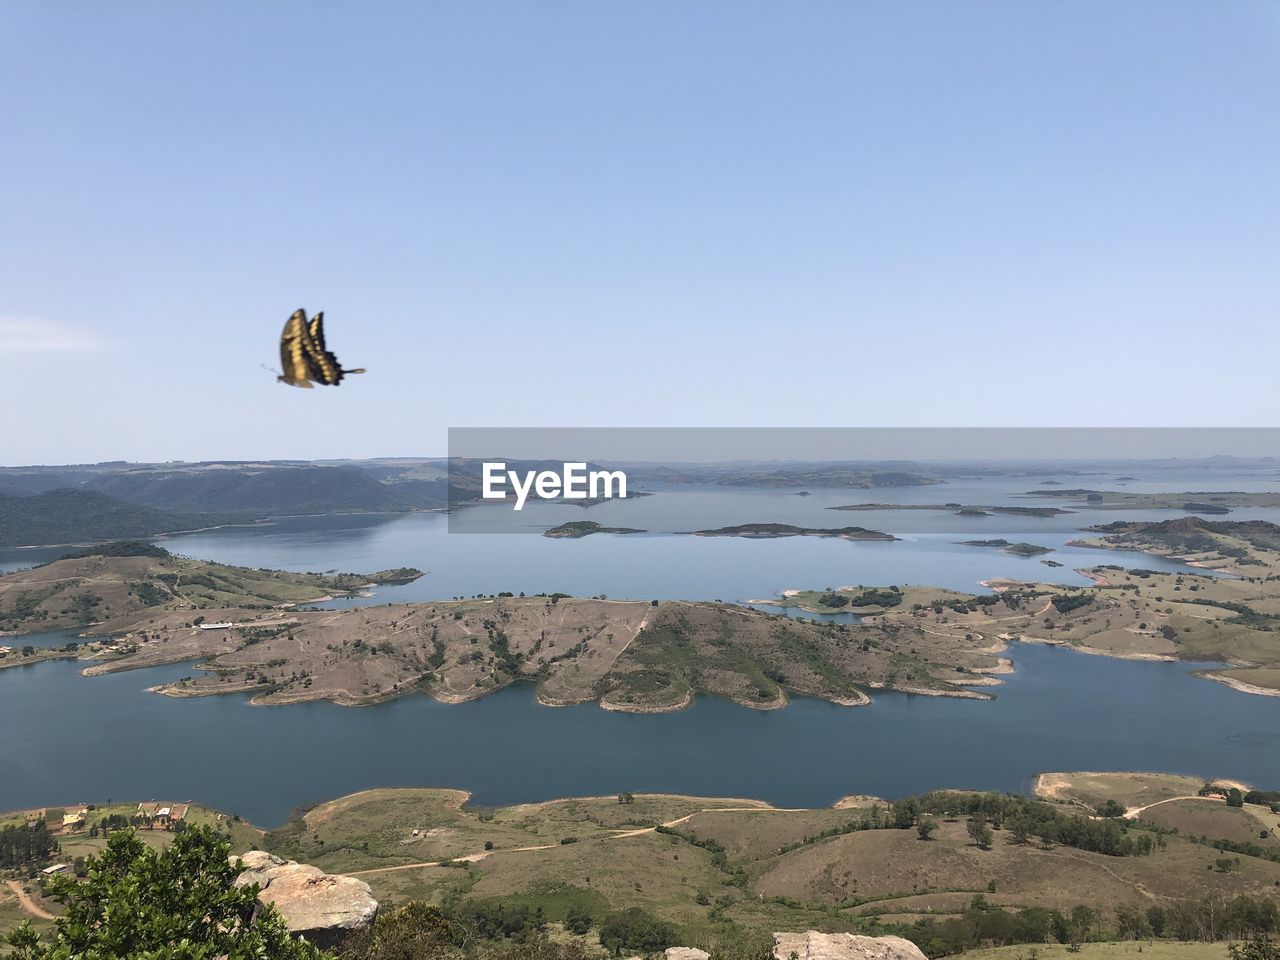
27 904
1133 813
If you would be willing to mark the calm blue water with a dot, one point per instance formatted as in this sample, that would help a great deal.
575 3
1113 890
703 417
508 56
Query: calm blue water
71 738
1060 711
666 565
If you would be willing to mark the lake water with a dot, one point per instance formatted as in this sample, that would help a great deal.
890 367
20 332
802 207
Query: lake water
70 738
93 739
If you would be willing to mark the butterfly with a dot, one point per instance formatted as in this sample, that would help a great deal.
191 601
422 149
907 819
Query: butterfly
304 356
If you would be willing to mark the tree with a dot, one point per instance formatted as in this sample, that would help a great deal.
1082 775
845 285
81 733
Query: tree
577 920
1020 828
634 929
414 930
979 832
905 812
1110 809
180 904
1259 948
926 826
626 796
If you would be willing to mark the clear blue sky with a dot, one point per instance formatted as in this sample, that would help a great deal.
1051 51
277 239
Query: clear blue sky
644 213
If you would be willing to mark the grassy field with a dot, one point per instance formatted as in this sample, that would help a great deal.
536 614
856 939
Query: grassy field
900 872
1124 950
751 863
1214 819
704 862
1091 788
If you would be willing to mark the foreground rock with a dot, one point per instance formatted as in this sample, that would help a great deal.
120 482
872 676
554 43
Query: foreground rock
812 945
316 905
686 953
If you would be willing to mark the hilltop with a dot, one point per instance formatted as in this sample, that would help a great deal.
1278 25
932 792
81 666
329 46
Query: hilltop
77 516
46 505
111 585
1137 614
1248 548
636 656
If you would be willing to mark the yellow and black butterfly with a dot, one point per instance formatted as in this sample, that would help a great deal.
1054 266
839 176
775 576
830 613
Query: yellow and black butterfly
304 356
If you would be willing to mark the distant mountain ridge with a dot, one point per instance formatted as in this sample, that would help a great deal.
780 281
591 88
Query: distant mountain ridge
231 491
267 491
76 516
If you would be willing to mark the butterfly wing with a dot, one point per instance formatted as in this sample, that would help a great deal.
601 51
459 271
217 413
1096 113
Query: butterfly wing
316 329
322 362
295 341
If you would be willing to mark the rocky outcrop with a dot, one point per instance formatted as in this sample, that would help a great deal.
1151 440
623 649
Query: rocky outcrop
812 945
686 953
314 904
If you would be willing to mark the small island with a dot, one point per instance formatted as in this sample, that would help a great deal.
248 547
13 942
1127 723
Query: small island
1019 549
961 509
763 531
1216 503
584 528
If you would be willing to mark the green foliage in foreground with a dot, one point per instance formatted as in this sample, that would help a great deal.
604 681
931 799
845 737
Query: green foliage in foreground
179 904
497 930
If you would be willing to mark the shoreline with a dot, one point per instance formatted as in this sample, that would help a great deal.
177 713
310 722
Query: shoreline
1240 686
1092 651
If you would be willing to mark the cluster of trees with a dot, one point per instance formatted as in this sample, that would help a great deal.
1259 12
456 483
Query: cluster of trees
119 548
1210 918
636 931
496 919
27 845
1024 819
508 661
719 856
976 603
1066 602
890 597
983 924
419 930
453 932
